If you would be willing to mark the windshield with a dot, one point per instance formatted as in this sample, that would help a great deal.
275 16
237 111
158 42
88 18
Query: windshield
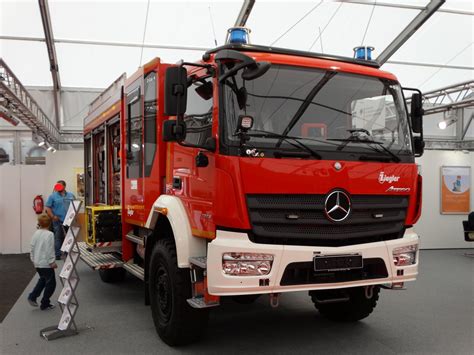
325 110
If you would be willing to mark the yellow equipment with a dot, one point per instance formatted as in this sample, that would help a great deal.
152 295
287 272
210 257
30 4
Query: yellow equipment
104 226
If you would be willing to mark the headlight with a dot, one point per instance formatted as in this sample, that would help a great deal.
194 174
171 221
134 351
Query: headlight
404 256
247 264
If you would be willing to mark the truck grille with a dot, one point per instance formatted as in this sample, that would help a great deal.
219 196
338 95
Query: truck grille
302 273
272 223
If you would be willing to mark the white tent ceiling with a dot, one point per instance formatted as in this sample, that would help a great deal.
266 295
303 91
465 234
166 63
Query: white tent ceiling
446 38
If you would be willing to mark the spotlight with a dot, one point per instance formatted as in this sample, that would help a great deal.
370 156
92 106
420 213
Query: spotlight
449 119
445 123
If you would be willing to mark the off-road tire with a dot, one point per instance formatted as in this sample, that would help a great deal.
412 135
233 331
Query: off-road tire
176 322
245 299
113 275
356 308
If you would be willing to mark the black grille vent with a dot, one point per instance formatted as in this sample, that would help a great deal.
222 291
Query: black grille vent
300 220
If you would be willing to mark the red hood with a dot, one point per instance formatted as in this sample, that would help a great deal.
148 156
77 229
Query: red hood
294 176
238 177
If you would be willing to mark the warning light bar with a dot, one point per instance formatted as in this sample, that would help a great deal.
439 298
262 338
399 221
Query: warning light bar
363 52
238 35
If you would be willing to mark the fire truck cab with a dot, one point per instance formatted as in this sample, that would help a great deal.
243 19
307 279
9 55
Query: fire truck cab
256 170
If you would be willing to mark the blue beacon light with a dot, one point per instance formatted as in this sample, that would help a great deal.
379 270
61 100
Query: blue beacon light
238 35
363 52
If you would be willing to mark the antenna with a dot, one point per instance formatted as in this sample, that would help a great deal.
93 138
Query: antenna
212 24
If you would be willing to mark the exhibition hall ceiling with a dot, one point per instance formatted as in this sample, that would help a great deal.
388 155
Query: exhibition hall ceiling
321 26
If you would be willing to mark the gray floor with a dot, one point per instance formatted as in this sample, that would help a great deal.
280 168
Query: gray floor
434 316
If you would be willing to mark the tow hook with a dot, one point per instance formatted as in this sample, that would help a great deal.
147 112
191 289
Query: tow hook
369 292
274 300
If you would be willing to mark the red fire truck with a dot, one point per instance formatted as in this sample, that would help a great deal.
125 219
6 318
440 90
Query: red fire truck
256 170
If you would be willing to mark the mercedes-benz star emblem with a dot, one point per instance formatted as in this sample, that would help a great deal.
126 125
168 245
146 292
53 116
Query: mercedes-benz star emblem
337 206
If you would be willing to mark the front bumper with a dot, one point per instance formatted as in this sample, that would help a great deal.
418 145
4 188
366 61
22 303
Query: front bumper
226 285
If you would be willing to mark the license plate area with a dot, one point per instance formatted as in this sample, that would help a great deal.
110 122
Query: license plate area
338 262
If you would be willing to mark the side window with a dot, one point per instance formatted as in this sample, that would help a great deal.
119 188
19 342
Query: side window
134 135
150 106
198 115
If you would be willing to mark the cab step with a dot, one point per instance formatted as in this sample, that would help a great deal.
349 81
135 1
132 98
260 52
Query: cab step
200 302
201 297
134 238
199 261
97 260
135 270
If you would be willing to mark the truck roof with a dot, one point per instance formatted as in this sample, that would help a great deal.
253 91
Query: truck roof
105 104
276 50
308 59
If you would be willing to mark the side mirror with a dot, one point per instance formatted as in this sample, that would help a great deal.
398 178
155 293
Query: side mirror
416 113
418 146
174 131
175 91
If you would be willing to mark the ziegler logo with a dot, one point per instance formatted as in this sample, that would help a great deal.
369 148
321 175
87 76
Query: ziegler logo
385 178
398 189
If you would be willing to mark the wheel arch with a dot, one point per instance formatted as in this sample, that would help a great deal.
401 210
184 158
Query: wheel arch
168 218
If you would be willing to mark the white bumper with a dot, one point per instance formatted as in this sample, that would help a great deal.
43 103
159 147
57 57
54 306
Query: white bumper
225 242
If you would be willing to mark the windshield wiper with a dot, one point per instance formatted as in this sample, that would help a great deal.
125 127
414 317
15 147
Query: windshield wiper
289 139
307 101
357 140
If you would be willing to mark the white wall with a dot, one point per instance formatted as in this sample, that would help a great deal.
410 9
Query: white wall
32 179
438 230
19 184
10 228
61 165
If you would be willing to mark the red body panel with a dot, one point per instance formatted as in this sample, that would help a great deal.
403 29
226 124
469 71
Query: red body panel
241 176
216 195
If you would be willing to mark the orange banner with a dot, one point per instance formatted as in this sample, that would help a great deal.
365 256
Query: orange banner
455 190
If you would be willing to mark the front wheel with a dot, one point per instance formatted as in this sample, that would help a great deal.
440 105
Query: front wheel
355 303
176 322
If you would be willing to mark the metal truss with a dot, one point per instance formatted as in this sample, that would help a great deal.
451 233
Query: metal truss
408 31
244 13
449 98
72 137
17 104
53 59
401 5
16 99
437 143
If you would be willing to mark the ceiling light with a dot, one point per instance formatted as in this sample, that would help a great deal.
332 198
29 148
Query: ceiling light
40 144
50 149
448 119
445 123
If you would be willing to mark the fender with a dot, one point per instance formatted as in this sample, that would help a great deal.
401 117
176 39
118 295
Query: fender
187 245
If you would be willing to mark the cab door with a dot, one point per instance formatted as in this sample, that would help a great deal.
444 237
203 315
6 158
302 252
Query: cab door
193 184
